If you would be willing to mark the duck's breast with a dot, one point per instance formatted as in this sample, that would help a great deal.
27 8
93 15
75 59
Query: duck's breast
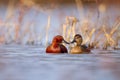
76 50
51 49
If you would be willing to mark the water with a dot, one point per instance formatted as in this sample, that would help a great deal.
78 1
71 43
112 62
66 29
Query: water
32 63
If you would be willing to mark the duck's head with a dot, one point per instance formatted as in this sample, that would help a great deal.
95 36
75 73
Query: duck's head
58 40
78 39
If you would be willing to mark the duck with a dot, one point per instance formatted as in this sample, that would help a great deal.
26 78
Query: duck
56 47
79 48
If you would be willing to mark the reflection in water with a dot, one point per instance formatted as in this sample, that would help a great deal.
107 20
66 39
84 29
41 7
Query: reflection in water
31 63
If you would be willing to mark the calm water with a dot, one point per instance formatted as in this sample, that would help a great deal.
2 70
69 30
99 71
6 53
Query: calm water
31 63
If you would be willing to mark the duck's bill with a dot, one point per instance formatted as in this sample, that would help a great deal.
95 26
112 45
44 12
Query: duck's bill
73 41
65 42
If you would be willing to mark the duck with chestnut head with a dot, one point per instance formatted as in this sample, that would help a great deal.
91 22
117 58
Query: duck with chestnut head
79 48
56 46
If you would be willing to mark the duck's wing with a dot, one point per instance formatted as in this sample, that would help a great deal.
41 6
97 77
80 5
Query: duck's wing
63 49
84 46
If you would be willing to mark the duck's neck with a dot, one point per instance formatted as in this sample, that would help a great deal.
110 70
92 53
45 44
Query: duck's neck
78 44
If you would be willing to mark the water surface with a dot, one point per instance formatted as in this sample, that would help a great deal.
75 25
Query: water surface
32 63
